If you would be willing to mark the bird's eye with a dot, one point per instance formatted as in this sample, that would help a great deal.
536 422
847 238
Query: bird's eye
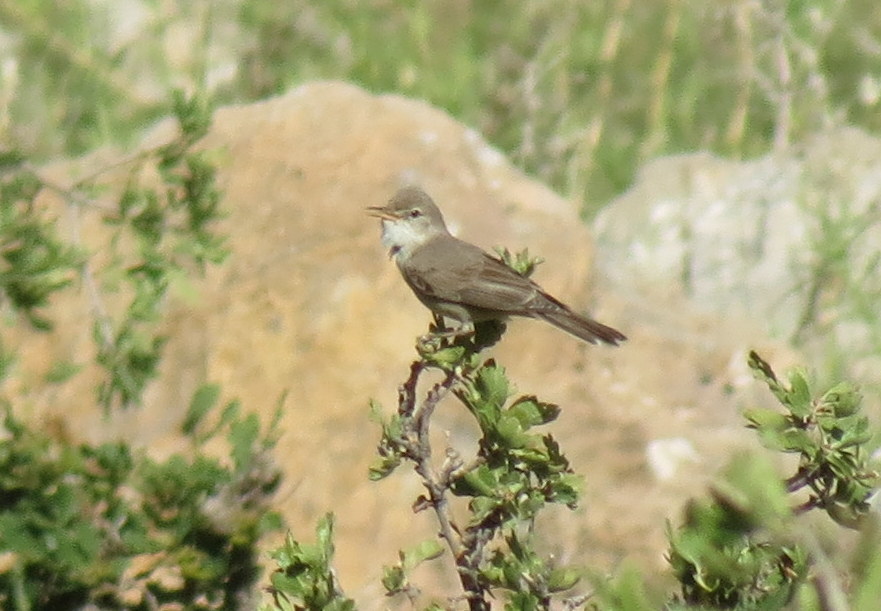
415 213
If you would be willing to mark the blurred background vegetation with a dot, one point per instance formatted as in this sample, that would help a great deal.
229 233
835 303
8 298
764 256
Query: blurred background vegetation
578 93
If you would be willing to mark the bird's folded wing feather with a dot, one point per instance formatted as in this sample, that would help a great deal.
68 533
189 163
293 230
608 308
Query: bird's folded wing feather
469 276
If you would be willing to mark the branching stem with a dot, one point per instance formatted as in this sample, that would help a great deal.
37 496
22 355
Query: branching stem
417 417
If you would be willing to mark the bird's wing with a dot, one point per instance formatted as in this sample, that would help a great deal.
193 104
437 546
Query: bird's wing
469 276
463 275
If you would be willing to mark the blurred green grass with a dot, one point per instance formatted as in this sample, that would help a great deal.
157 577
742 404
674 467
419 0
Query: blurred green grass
578 93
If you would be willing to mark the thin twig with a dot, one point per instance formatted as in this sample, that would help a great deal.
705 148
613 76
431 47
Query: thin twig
99 311
417 419
798 481
71 194
431 480
407 390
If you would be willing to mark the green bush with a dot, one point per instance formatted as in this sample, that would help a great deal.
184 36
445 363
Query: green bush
108 526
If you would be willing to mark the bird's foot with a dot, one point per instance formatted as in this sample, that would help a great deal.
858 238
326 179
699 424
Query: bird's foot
473 337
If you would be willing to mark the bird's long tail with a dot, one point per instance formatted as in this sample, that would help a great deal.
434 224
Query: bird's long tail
582 327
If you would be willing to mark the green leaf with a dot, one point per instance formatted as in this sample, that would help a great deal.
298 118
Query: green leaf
493 386
562 579
446 357
481 481
799 397
766 419
424 551
193 113
842 400
763 371
243 437
482 507
796 440
204 400
566 489
624 591
375 412
10 158
383 467
229 414
62 371
324 533
846 515
521 262
532 412
391 444
394 579
856 435
761 488
511 432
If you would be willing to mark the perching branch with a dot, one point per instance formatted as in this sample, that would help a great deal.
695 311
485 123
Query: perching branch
512 476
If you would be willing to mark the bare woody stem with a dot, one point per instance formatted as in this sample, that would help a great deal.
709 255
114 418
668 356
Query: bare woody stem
416 418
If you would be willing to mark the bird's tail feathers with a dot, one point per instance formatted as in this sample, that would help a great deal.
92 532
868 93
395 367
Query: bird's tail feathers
582 327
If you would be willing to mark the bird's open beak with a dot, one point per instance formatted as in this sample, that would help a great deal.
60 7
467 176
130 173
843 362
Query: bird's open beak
382 212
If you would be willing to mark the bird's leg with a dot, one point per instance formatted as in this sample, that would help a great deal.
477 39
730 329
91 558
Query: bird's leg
463 330
471 335
439 331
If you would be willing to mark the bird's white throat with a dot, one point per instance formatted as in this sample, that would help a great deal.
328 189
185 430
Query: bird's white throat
402 237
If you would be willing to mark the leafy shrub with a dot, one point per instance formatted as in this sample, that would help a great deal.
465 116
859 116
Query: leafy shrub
111 527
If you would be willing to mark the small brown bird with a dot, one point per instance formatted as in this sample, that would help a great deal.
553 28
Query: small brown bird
460 281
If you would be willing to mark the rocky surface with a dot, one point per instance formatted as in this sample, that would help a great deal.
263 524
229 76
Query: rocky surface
788 241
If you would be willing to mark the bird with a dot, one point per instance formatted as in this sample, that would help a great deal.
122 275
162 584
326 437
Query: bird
460 281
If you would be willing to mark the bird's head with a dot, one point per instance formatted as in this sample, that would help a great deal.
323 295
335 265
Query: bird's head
409 220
